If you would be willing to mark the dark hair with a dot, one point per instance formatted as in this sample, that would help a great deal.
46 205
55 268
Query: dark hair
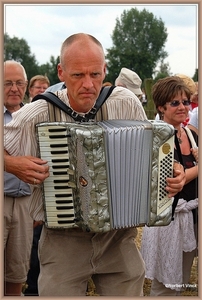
165 90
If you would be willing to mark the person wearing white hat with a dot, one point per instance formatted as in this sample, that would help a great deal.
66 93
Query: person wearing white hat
130 80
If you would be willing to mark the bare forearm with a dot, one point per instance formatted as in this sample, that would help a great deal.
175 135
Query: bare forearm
191 174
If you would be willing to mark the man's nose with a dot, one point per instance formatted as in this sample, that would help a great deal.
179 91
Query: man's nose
14 87
87 82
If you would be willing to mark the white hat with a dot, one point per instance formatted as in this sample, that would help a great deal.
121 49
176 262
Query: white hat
130 80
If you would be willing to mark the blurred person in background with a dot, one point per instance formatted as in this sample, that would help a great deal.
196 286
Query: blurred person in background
194 98
37 85
193 90
193 121
130 80
56 87
107 83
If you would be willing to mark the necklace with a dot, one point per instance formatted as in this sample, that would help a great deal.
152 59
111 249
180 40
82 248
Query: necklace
179 138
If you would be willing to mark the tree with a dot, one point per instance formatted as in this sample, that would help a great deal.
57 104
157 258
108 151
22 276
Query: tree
195 77
164 71
18 50
50 69
138 44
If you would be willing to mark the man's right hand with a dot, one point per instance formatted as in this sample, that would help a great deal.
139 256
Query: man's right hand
29 169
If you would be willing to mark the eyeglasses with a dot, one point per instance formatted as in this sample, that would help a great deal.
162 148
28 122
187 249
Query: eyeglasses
19 84
176 103
39 87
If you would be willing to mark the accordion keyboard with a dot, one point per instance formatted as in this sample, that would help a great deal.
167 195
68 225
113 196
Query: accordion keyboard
57 190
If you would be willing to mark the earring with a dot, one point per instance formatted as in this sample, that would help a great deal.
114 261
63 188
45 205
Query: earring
161 115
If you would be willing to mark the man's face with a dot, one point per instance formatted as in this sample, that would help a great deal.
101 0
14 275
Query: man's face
83 73
14 86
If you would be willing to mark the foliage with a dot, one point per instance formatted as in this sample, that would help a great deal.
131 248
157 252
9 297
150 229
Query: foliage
195 77
138 44
19 50
50 69
164 71
150 109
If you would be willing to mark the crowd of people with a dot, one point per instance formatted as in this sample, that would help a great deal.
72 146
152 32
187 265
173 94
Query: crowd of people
60 262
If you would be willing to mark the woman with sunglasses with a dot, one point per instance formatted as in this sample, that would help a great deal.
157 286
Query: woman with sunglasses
169 251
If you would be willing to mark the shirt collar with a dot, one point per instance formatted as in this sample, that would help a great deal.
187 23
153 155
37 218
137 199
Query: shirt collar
5 109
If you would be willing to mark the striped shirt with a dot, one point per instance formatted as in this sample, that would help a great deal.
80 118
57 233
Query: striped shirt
20 137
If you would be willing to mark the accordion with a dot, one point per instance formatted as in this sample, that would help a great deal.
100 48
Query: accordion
106 175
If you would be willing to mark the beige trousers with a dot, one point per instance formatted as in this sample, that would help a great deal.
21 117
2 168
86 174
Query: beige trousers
68 258
18 236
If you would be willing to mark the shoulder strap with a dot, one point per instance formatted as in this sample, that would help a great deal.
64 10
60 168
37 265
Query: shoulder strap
190 135
54 100
102 113
104 94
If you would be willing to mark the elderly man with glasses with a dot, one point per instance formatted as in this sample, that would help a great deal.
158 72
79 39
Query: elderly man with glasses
18 225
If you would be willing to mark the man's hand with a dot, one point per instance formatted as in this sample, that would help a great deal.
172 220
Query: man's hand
176 184
27 168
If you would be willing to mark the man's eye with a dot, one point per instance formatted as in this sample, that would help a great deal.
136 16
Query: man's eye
77 75
96 74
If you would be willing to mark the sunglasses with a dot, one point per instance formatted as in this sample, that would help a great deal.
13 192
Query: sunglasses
176 103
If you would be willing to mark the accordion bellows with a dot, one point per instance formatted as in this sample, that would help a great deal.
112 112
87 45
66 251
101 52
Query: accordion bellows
107 175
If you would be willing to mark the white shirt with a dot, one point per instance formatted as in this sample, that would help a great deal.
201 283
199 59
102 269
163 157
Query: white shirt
194 118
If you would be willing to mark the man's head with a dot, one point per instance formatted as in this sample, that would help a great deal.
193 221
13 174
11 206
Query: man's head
82 67
130 80
38 84
15 84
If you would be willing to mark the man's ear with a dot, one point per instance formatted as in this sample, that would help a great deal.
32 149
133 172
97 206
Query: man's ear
60 72
105 70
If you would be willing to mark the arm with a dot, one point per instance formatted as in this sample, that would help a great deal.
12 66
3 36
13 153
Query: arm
191 174
27 168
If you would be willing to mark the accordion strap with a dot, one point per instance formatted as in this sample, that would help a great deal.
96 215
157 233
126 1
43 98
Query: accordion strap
56 101
176 198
